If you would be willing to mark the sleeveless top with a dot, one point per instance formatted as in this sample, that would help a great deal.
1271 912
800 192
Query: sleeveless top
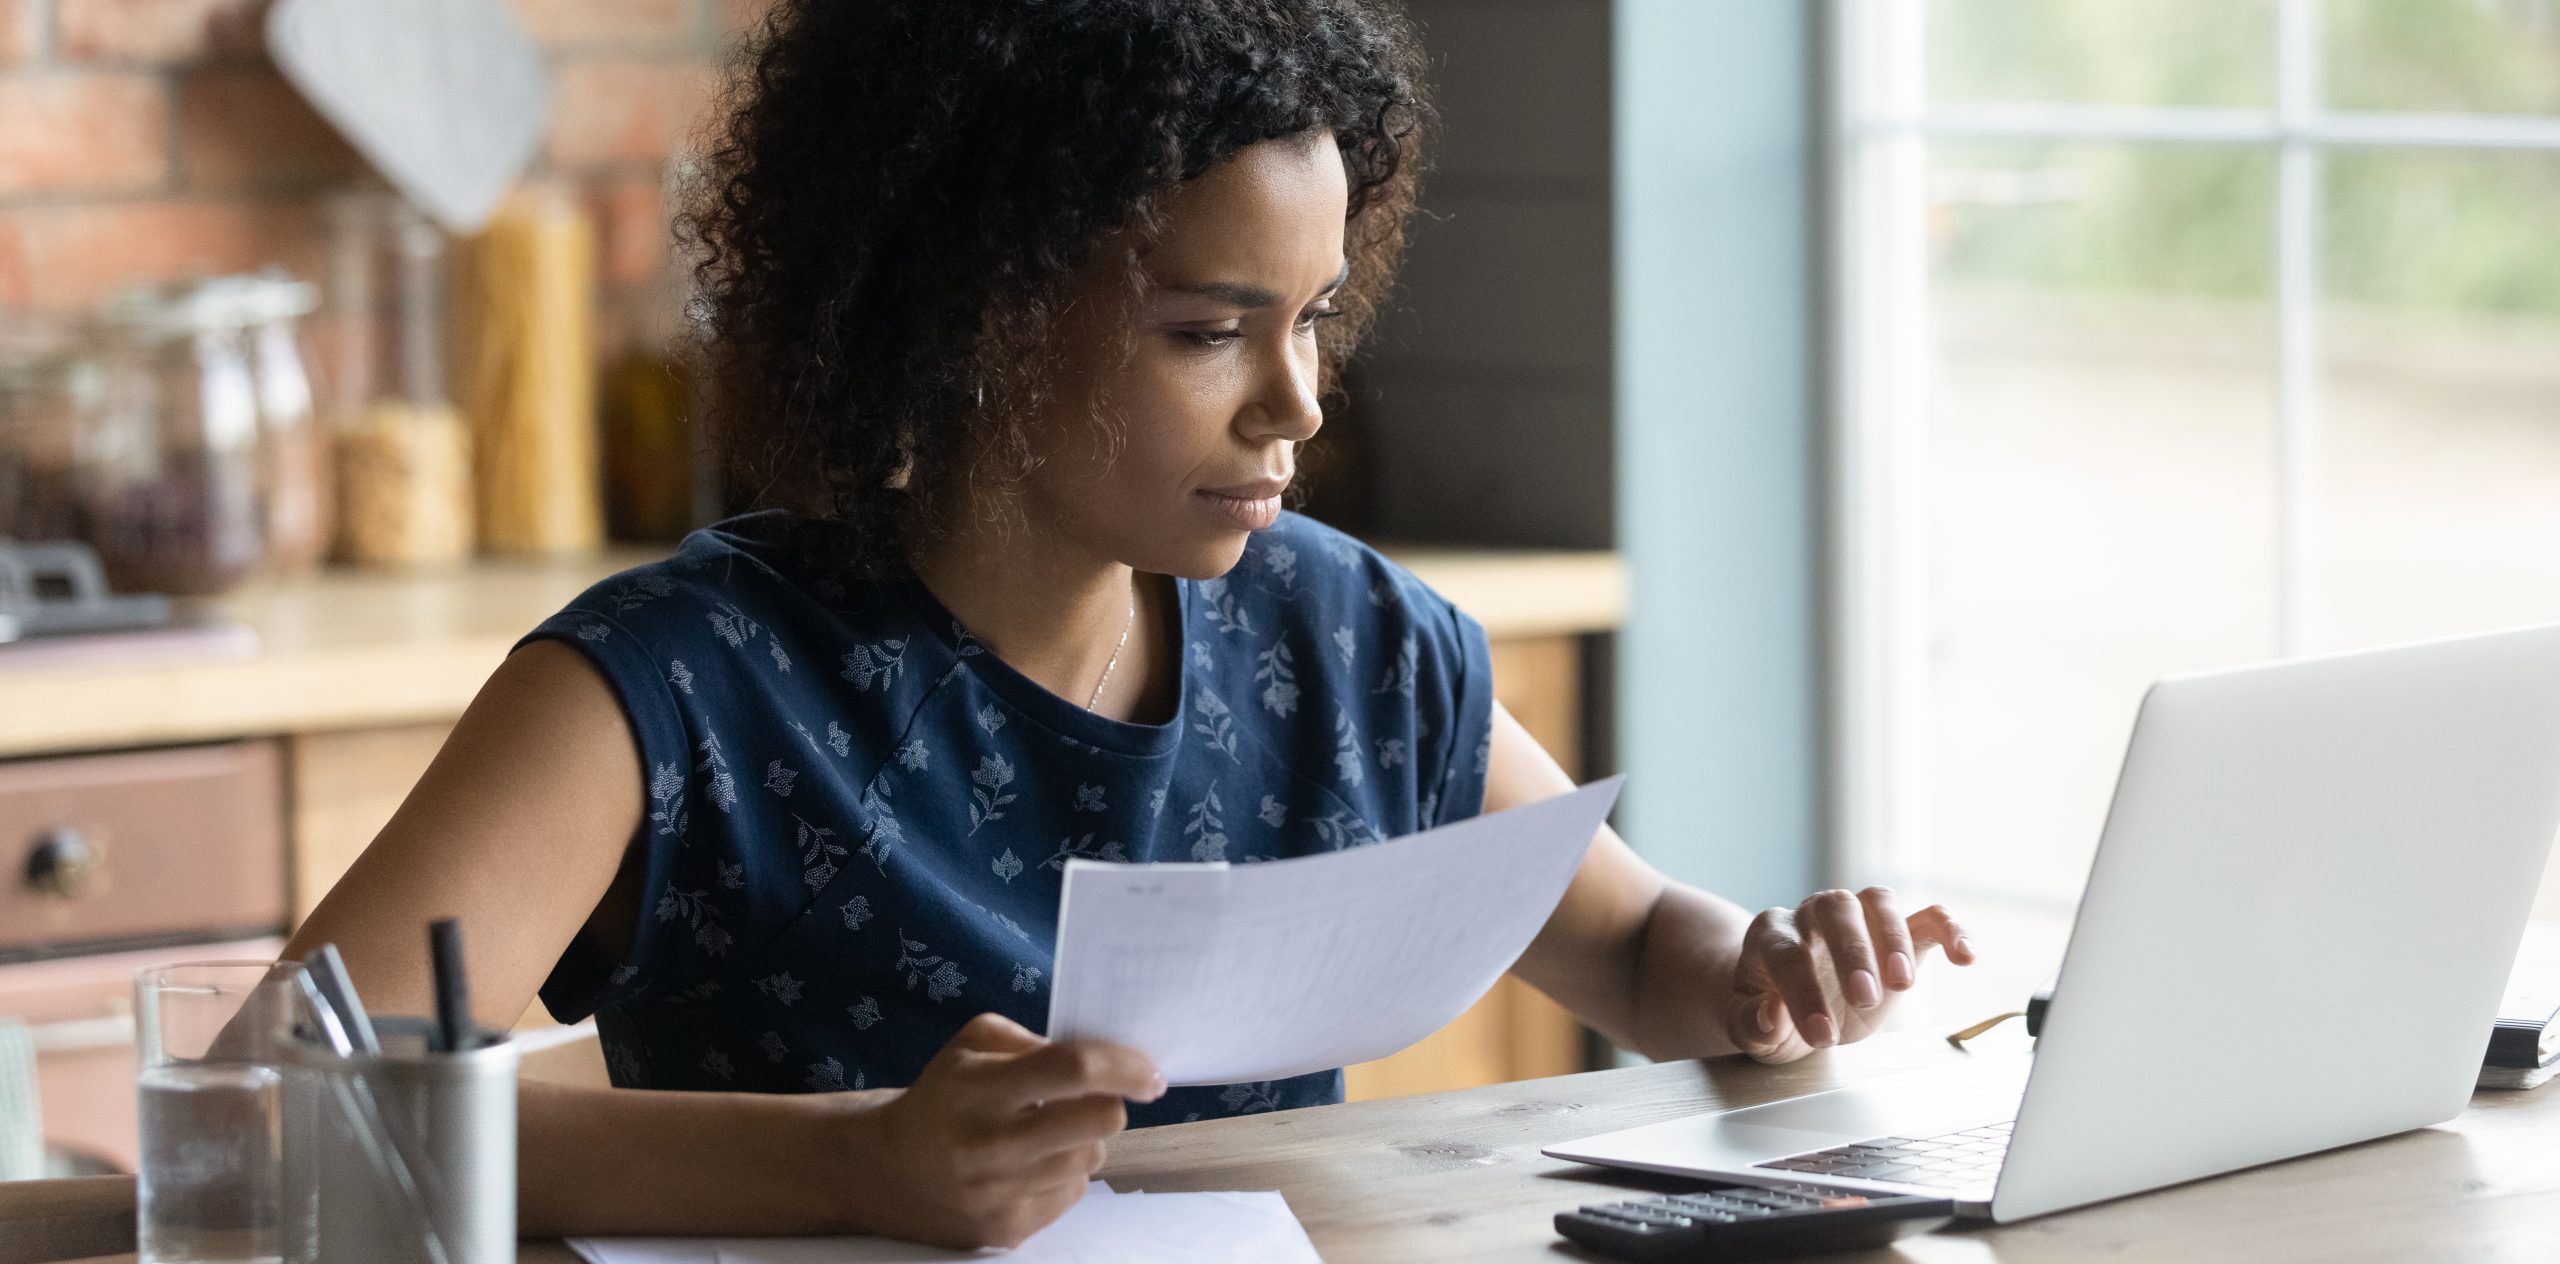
858 817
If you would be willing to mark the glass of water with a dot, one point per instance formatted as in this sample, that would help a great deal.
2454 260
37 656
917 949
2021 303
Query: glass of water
214 1041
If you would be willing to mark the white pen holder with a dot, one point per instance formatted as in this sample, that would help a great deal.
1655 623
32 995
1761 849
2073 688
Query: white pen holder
455 1116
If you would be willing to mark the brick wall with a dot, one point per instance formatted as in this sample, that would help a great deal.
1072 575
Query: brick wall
149 139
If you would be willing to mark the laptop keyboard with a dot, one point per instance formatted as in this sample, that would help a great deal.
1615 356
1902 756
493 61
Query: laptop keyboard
1955 1160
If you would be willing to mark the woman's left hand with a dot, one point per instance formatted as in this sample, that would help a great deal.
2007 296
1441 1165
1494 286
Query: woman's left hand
1823 973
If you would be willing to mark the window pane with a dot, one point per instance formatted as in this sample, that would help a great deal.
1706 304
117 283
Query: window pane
2102 52
2101 480
2440 499
2449 56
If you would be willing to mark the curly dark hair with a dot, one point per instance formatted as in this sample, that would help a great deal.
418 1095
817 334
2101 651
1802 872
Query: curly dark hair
893 205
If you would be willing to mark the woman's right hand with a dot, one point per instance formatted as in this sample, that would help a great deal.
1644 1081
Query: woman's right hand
997 1136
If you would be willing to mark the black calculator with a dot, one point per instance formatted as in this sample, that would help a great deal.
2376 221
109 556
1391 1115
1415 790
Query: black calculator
1750 1223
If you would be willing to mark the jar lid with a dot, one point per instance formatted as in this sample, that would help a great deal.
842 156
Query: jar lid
213 303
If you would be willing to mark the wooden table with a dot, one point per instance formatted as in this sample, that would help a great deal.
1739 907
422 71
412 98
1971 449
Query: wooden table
1457 1176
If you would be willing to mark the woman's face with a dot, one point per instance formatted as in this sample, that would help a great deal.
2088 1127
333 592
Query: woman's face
1220 386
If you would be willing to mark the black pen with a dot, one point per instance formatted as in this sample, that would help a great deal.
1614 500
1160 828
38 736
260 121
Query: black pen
453 990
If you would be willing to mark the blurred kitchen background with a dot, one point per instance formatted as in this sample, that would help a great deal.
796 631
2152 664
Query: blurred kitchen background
1838 412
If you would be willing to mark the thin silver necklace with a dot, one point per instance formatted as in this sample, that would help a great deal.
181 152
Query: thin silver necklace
1131 622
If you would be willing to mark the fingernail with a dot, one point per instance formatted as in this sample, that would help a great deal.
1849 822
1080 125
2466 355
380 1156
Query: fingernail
1897 969
1157 1084
1817 1030
1965 944
1768 1015
1862 989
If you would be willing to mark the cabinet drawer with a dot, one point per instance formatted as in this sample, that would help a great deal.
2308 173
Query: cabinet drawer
140 846
80 1011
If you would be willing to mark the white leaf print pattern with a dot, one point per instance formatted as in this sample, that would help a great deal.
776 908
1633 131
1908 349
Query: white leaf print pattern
781 987
1398 678
778 778
1223 609
723 788
1026 978
945 982
733 877
877 665
679 675
1247 1099
1089 798
988 796
1274 812
941 979
593 632
856 911
826 1077
1206 830
1279 680
1083 849
1217 724
1343 550
865 1014
1342 828
1342 640
818 851
772 1045
732 624
839 740
1280 562
717 1063
633 594
666 789
881 832
1200 654
990 719
912 756
694 907
781 661
1346 752
1155 801
1007 865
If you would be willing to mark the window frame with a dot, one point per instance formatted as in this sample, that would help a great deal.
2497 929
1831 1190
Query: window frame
1876 134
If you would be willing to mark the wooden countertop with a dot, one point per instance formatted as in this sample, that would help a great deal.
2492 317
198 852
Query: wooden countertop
356 650
1458 1177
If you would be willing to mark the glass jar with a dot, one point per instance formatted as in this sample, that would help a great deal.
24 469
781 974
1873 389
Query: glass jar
403 452
41 371
295 489
167 462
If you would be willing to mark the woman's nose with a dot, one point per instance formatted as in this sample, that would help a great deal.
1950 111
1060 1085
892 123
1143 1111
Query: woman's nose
1286 406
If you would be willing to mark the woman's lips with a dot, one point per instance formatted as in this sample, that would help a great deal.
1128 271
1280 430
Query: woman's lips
1244 512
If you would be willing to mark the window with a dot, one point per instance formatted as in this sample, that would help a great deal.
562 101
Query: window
2171 335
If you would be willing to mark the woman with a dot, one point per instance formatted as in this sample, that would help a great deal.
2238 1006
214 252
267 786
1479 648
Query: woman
1019 312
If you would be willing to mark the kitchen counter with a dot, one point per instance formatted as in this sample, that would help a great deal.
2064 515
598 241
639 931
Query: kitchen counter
352 650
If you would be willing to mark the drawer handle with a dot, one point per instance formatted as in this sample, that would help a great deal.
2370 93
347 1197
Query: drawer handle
62 864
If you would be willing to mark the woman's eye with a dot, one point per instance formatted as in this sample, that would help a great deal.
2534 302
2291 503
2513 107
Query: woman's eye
1209 337
1309 320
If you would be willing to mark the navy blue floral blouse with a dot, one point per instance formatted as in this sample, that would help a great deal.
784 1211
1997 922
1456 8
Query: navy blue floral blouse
858 817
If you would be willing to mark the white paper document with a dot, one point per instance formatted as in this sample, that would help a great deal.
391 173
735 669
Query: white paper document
1231 973
1101 1227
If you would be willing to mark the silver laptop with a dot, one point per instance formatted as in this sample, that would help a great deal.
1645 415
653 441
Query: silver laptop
2312 882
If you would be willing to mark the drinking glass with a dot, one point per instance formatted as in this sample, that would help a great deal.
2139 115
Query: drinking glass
214 1043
